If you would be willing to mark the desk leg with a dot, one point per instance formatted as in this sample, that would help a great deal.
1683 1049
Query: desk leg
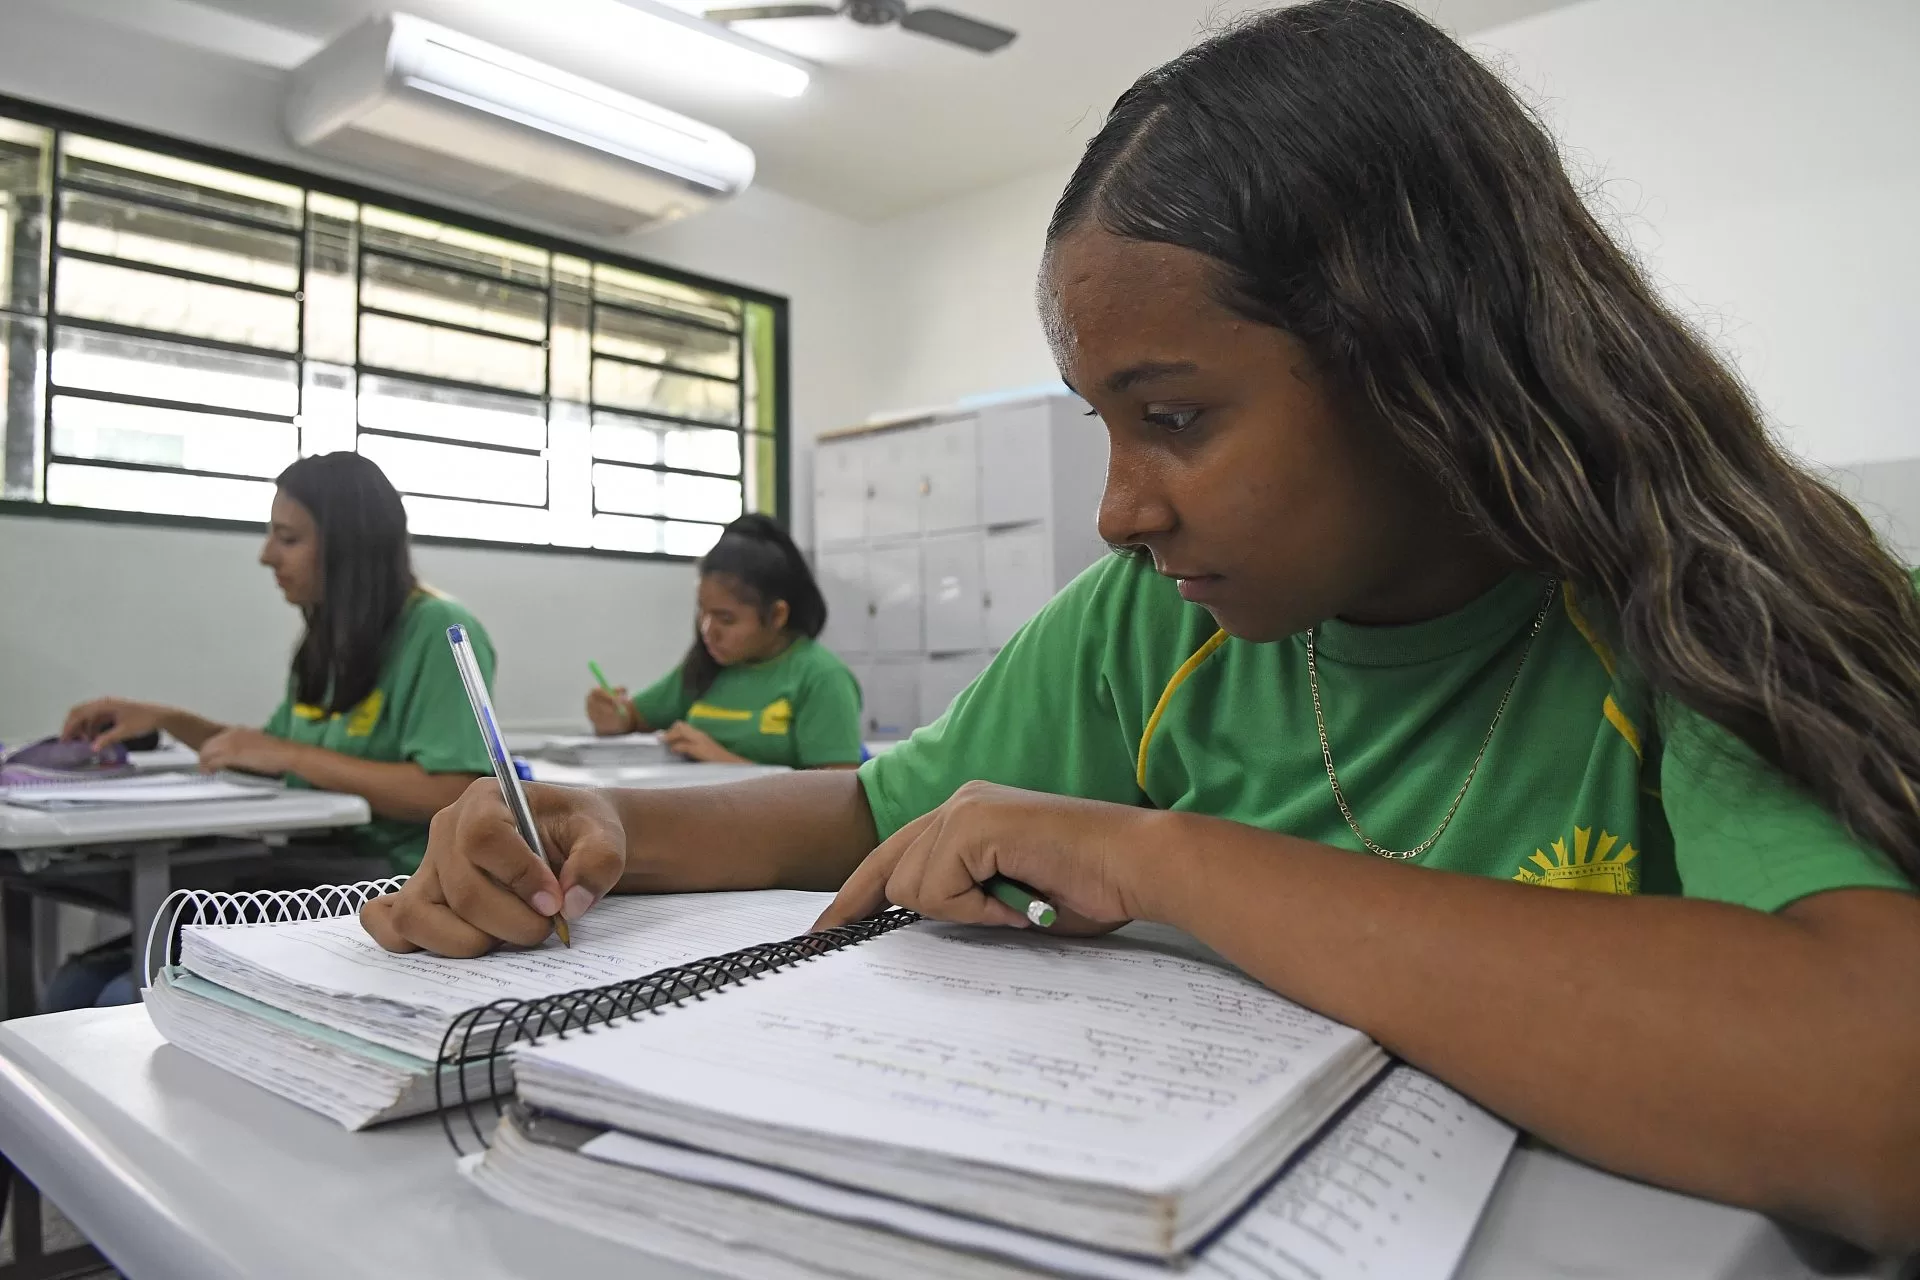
27 1243
46 940
16 924
29 1261
152 879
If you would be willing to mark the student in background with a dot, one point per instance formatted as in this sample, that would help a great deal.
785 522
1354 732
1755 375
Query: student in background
1485 677
374 704
755 686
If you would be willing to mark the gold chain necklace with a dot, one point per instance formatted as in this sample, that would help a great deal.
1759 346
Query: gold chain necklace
1326 752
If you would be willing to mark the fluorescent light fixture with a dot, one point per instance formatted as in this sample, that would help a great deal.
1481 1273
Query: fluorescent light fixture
689 45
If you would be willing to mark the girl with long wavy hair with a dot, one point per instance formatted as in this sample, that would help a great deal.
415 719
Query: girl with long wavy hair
1483 674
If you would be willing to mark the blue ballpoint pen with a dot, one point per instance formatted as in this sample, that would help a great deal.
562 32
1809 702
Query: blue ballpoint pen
503 771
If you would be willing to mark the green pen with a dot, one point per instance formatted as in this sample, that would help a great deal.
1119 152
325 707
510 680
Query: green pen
599 675
1021 899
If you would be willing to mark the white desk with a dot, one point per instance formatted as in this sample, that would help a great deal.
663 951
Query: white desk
180 1172
290 810
667 773
145 838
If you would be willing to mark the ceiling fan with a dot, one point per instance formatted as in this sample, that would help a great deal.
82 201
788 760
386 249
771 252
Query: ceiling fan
941 24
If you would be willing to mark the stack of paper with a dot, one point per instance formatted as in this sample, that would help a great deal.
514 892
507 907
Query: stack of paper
155 788
315 1011
617 749
1391 1191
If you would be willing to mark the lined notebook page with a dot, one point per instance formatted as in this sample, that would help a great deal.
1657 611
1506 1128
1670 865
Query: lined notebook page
1392 1192
1121 1060
624 937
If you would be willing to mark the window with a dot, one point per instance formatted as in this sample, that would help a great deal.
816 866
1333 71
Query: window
174 332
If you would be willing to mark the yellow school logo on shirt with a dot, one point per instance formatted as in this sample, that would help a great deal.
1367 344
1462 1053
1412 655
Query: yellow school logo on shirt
1602 866
361 719
777 719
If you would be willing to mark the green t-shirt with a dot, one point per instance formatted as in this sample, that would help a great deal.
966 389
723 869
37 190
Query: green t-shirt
418 711
800 709
1120 690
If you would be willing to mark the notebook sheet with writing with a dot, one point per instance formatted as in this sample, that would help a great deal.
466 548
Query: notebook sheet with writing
1122 1058
964 1067
332 972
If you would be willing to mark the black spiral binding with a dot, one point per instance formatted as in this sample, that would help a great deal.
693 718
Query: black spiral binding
482 1036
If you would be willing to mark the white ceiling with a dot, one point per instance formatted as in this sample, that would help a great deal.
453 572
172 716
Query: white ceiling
892 121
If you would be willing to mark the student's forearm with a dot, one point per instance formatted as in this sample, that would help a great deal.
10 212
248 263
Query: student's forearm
393 790
804 830
1765 1060
189 728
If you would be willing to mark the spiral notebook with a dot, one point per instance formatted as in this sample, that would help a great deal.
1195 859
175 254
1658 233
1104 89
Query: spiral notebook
891 1097
1390 1190
285 989
1128 1092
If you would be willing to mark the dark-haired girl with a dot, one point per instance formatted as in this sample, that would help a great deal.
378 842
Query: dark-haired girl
755 686
1484 675
374 704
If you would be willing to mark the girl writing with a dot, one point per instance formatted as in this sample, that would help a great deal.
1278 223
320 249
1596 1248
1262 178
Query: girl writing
1481 673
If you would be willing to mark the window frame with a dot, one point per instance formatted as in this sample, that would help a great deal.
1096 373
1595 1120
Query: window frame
64 121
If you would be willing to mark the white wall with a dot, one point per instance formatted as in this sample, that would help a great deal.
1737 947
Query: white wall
185 615
1761 155
964 272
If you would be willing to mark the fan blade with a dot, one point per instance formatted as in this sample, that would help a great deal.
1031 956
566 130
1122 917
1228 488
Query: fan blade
753 12
957 28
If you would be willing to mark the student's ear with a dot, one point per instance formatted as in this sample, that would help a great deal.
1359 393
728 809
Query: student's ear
779 615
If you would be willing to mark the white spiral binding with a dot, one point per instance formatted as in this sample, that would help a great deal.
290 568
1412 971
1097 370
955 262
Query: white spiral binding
260 906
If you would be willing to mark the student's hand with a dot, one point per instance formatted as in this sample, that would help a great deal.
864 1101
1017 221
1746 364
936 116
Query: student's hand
106 721
1074 853
694 744
479 885
609 713
249 750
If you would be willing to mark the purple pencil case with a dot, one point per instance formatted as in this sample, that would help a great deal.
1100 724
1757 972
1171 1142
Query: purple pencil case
52 761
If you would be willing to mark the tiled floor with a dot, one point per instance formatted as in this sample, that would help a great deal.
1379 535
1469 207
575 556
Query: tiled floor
56 1233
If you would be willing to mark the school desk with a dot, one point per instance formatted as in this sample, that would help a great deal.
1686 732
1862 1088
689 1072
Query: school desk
178 1171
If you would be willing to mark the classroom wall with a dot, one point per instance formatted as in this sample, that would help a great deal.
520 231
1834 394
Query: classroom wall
1759 154
964 271
1888 493
212 631
186 616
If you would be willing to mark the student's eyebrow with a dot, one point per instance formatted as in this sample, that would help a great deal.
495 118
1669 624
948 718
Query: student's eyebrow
1148 371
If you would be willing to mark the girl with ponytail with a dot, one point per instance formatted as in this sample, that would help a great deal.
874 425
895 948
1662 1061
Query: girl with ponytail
755 686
